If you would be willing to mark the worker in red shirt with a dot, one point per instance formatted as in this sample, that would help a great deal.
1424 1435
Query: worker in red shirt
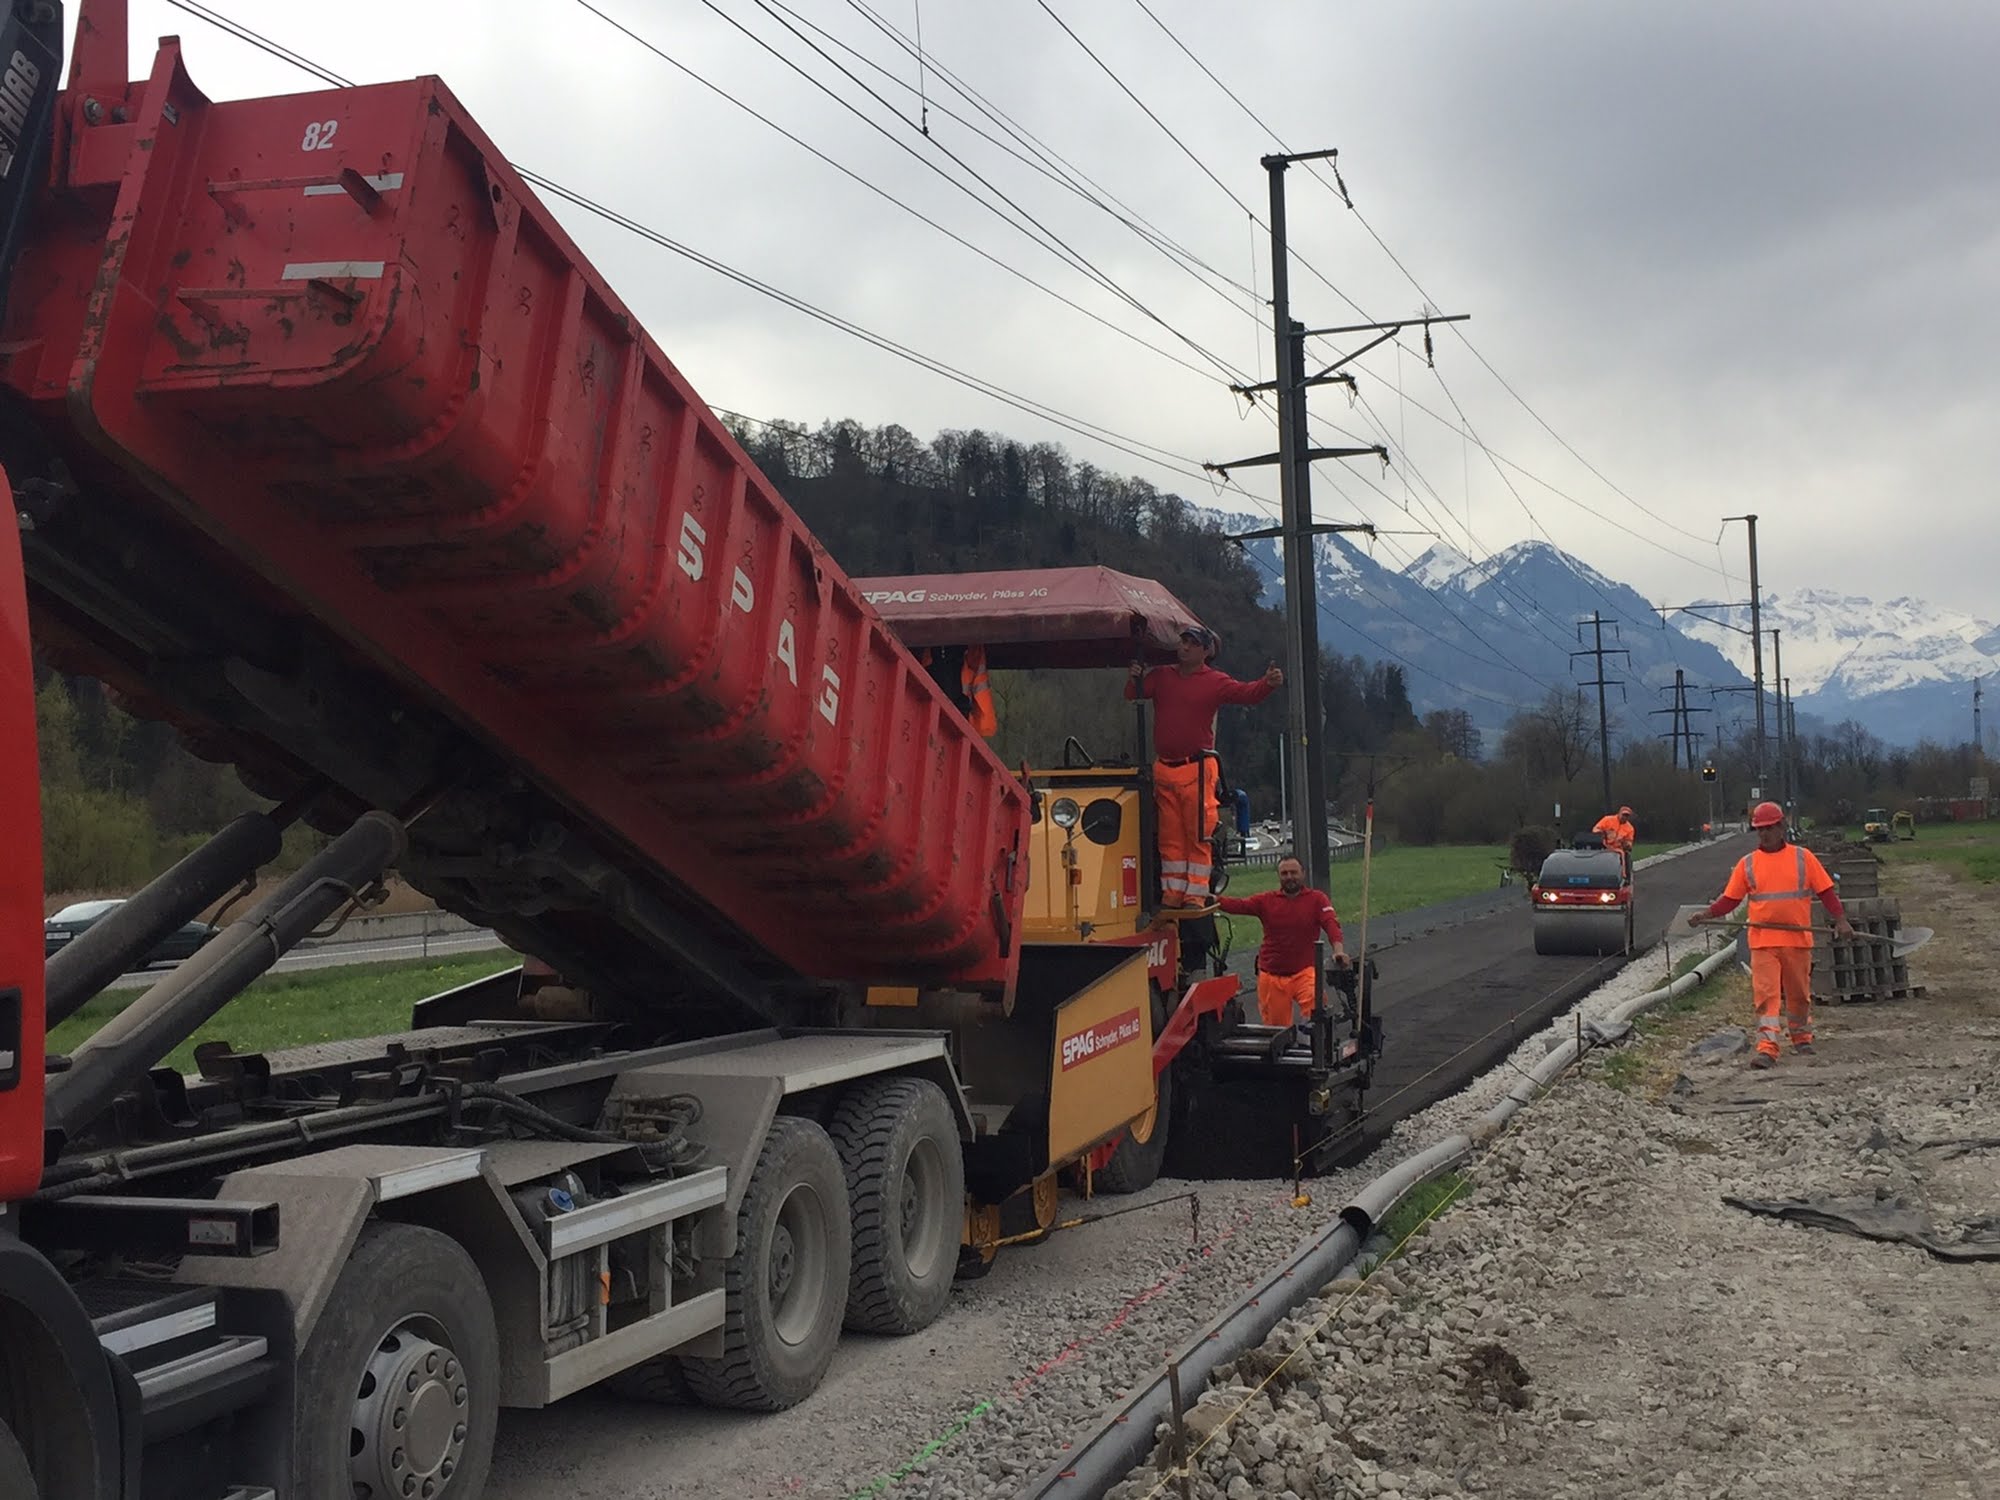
1779 879
1293 916
1185 698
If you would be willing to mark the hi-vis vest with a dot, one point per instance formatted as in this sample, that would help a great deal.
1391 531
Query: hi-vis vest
972 676
1774 909
978 691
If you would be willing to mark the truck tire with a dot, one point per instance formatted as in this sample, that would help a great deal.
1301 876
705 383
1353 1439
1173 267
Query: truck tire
400 1379
1141 1152
17 1480
898 1145
785 1288
661 1381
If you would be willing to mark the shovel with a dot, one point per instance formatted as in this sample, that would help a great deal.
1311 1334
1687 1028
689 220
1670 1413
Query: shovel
1906 940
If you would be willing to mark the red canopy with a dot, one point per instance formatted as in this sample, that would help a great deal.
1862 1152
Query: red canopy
1035 617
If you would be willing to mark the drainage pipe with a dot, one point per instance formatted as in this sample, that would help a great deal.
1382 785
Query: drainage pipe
1110 1450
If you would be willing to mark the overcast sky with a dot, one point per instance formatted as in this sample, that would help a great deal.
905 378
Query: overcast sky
1737 257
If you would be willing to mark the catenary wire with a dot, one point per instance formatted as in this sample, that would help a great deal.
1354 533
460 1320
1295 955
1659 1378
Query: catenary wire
1396 261
1047 237
885 194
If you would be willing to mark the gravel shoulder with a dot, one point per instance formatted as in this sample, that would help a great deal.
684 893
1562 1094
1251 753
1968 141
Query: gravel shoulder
1589 1318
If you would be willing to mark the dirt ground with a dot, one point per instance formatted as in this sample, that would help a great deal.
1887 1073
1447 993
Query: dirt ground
1590 1318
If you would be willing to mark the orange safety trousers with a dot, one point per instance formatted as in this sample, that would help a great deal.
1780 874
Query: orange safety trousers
1185 799
1781 985
1278 993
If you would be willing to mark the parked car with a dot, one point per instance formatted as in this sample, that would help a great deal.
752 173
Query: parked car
73 921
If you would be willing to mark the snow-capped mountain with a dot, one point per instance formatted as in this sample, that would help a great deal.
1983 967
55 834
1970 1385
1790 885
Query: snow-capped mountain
1443 566
1494 636
1904 667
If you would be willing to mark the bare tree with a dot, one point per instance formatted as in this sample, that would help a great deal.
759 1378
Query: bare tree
1554 739
1453 732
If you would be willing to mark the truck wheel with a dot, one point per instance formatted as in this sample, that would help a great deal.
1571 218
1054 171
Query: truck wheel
16 1478
898 1145
786 1286
1136 1161
399 1384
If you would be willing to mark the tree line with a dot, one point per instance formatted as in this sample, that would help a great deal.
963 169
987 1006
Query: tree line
121 797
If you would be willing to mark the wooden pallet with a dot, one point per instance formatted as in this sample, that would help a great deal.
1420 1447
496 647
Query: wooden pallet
1870 997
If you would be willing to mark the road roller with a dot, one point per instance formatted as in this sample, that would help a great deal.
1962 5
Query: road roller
1582 902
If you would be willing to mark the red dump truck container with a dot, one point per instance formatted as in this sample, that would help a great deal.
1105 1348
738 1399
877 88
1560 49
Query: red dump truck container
335 334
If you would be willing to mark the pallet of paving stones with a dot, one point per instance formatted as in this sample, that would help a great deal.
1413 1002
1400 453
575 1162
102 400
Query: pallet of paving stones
1863 968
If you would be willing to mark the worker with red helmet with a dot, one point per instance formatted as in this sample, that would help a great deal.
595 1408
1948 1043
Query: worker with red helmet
1185 698
1779 879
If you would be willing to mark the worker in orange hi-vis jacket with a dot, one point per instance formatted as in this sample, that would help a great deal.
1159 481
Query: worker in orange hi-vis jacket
961 673
1293 916
1185 698
1618 831
1779 879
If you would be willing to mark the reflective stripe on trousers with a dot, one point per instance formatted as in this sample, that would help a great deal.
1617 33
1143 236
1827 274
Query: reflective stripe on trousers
1781 987
1184 797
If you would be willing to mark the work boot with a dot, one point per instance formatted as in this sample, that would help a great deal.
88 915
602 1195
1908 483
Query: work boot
1804 1049
1762 1061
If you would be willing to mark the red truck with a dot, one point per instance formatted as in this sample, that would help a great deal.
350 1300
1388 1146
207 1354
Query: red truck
330 449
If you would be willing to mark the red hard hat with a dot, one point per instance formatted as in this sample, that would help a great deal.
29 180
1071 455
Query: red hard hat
1767 815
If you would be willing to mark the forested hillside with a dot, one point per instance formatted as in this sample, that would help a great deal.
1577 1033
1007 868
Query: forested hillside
885 503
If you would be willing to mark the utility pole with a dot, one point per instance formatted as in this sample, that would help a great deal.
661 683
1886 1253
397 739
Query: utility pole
1310 726
1795 767
1778 677
1682 734
1678 731
1978 739
1305 752
1756 644
1598 651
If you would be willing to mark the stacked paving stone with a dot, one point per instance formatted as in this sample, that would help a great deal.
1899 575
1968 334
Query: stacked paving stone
1864 967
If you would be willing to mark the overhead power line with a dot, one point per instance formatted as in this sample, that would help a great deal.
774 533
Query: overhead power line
1032 152
1339 191
1043 235
884 193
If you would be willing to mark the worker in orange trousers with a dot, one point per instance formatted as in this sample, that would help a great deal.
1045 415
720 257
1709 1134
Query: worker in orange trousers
1185 699
1293 916
1779 879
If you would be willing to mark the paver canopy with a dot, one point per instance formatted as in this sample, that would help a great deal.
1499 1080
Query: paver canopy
1035 617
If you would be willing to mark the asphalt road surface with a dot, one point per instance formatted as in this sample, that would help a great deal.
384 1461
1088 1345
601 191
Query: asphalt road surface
1454 1003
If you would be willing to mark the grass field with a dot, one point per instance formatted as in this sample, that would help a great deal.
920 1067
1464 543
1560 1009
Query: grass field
316 1005
1403 878
1974 848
